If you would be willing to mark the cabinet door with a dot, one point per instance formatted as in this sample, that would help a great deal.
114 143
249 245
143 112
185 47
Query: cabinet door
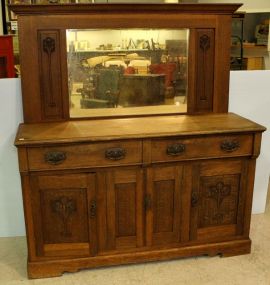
163 205
217 199
121 219
64 214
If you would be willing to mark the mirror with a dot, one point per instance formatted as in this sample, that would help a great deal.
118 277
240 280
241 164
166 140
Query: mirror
122 72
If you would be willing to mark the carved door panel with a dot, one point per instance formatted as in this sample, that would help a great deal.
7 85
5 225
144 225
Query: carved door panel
121 216
64 211
217 199
163 205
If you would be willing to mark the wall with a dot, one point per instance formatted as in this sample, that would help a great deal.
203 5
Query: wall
11 211
249 97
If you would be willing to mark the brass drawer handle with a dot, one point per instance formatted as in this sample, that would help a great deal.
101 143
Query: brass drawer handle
116 153
230 145
176 149
55 157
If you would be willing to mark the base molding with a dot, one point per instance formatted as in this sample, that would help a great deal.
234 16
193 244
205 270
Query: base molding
53 268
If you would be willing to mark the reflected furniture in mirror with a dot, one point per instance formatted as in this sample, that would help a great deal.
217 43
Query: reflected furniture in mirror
128 153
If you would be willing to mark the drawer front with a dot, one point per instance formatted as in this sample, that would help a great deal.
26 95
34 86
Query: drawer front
203 147
85 155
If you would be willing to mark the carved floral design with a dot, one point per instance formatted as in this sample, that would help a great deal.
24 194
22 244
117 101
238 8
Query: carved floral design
204 43
49 48
49 45
204 46
218 193
64 207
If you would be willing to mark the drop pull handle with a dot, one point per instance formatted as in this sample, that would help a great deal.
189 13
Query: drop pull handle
175 149
55 157
115 153
230 145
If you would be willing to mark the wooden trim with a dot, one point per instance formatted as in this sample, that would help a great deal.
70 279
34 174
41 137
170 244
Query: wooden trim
110 184
140 230
222 64
242 197
144 127
217 232
220 9
147 152
249 195
101 211
57 267
22 159
149 212
28 215
194 208
186 202
92 220
191 98
31 112
64 74
257 144
36 215
66 249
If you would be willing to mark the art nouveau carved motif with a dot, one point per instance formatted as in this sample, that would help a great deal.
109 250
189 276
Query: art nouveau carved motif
50 67
49 45
218 193
204 43
205 69
204 46
49 48
64 208
217 200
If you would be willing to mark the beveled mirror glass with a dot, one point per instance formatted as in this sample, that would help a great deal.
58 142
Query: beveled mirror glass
119 72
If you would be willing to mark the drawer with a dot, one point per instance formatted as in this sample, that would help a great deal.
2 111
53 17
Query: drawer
85 155
202 147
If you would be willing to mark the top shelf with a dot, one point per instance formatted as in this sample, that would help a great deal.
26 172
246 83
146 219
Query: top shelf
143 127
83 8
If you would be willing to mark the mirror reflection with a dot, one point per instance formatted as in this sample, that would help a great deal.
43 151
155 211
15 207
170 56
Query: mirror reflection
127 71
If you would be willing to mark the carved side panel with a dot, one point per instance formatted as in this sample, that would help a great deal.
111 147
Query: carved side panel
50 74
205 54
64 215
218 200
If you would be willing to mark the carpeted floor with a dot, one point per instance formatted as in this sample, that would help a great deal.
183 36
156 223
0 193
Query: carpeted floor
252 269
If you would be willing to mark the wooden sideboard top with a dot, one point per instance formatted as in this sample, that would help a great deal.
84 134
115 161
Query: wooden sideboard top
132 128
83 8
